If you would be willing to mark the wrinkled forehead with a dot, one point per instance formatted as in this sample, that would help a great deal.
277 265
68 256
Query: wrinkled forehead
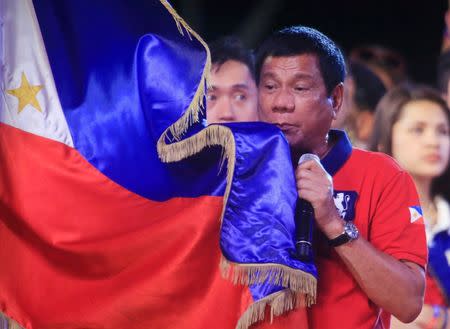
299 67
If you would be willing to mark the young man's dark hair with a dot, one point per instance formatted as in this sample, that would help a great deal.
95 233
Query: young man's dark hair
298 40
232 95
231 48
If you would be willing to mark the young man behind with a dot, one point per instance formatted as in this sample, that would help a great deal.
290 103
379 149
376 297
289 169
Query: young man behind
232 96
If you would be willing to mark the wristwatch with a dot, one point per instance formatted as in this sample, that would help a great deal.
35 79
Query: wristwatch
350 233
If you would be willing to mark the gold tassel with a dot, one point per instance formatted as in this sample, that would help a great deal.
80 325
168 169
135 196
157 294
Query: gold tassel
14 325
11 323
277 274
301 285
247 274
214 135
210 136
197 106
279 303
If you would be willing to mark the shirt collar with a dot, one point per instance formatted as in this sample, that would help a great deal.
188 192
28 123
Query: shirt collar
339 153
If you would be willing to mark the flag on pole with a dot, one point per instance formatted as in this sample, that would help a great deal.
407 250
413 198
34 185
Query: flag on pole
118 208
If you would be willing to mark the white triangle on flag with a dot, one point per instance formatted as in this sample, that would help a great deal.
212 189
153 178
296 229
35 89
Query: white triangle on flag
23 54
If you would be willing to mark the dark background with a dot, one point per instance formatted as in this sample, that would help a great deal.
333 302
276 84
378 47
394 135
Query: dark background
412 27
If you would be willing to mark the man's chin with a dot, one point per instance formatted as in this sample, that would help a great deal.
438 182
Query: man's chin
297 150
296 143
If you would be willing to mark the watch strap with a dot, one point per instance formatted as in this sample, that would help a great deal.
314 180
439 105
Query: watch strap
350 233
339 240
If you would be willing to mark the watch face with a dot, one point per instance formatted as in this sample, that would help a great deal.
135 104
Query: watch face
351 230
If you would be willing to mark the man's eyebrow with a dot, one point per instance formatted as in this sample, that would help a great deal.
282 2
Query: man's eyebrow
303 76
296 75
240 86
235 86
268 75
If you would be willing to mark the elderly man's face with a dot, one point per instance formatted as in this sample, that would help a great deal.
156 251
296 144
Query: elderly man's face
233 95
293 95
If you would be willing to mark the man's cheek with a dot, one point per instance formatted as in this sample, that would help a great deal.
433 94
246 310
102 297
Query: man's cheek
263 113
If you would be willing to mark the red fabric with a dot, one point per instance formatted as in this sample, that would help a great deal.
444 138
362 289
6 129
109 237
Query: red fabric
79 251
296 319
382 216
433 294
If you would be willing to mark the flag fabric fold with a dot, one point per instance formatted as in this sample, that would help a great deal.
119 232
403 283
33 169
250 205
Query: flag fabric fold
118 207
439 261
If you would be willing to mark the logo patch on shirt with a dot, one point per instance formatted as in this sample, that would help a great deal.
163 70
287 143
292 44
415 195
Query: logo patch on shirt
345 203
415 213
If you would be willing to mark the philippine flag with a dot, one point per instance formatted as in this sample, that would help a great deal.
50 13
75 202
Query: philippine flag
96 231
415 213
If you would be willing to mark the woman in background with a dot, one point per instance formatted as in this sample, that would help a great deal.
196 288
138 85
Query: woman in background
412 125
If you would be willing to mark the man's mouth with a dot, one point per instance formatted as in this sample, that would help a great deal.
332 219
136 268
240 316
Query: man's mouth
285 127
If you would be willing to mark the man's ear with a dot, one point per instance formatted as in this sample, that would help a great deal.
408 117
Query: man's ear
337 97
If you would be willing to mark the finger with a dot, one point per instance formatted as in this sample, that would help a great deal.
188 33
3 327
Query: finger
309 179
313 180
317 199
310 196
311 165
307 165
320 188
302 173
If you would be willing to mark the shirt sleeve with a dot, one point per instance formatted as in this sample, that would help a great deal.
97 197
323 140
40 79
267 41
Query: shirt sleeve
397 226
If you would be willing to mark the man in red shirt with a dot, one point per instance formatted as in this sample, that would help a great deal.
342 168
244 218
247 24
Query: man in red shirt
370 242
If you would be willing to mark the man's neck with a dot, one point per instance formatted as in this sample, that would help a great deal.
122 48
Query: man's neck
321 151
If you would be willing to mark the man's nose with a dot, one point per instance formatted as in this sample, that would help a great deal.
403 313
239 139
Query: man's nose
284 101
226 110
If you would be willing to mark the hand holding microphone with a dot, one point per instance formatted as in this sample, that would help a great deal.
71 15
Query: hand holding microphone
315 185
304 220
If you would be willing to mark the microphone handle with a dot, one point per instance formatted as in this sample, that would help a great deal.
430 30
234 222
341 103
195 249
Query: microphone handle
304 220
304 227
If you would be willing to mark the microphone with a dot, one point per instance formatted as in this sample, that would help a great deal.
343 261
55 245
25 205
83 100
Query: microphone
304 220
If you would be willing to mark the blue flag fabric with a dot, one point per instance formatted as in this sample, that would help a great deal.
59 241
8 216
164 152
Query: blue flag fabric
439 261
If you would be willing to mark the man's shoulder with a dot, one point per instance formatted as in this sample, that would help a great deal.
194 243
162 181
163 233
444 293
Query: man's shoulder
368 170
374 161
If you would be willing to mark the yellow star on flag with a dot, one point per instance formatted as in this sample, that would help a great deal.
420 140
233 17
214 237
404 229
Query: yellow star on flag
26 94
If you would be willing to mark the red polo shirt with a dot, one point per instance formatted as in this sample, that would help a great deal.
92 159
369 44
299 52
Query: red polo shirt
371 189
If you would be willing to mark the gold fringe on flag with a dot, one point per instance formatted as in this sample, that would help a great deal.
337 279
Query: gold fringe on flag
301 286
11 324
214 135
192 114
277 274
279 303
